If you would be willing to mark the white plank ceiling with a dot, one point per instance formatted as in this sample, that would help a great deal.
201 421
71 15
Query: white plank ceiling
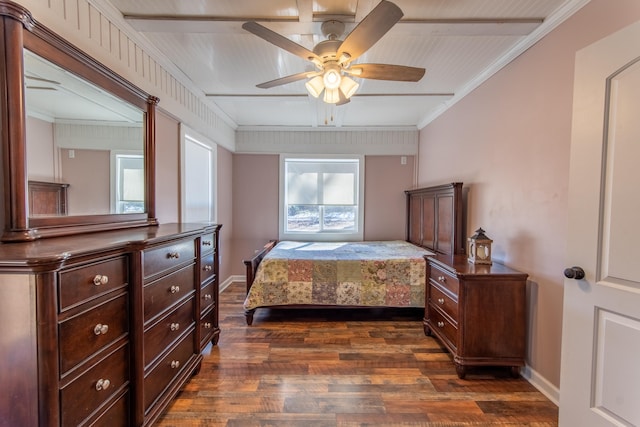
459 42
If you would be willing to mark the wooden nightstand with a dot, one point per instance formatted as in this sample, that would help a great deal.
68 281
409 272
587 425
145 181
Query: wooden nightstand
477 311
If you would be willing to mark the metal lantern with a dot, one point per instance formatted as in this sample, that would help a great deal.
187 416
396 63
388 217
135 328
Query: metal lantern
479 248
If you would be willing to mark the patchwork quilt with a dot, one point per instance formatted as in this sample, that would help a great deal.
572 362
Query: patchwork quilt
376 273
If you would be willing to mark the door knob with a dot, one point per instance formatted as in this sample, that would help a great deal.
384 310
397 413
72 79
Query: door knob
574 273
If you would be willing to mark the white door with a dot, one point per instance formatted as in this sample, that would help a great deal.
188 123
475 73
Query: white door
198 179
600 376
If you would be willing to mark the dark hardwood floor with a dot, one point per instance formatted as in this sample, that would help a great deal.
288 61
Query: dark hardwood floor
344 368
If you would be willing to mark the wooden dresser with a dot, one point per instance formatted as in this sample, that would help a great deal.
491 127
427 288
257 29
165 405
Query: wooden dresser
477 311
104 328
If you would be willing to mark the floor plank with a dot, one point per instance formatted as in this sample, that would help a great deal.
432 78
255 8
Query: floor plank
344 368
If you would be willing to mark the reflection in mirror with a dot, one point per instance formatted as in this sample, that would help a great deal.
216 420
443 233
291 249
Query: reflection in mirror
84 146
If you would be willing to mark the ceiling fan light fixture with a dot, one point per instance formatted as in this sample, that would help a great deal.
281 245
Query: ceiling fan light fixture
332 77
348 86
344 58
331 96
315 86
317 62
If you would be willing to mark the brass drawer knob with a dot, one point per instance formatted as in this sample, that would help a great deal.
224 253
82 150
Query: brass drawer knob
174 326
100 329
442 279
207 325
440 324
207 296
102 384
208 267
441 300
175 364
174 289
174 255
99 279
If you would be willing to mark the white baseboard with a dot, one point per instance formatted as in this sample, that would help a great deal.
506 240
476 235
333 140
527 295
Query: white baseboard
542 384
231 279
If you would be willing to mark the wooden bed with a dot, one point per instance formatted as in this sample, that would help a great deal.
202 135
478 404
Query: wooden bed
359 274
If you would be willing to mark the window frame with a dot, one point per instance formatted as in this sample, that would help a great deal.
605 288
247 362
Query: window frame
323 236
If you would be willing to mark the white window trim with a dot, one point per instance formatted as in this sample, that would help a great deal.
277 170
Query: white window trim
324 236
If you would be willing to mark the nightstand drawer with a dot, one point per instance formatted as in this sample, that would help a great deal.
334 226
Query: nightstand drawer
443 301
169 367
167 330
164 293
88 332
444 279
167 257
83 396
443 327
83 283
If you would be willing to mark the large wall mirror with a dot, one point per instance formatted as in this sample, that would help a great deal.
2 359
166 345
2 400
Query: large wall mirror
78 140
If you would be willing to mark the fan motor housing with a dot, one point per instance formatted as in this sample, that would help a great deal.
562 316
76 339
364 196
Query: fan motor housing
327 50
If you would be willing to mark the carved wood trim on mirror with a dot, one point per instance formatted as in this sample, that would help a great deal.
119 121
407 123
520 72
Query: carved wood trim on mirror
19 32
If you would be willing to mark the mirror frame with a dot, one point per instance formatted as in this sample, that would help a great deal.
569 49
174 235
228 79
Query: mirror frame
18 31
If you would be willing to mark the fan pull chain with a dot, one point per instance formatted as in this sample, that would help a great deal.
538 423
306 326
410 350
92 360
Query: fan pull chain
328 113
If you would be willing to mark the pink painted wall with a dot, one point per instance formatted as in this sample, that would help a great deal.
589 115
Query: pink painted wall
167 168
40 149
255 205
88 174
255 201
509 142
386 178
225 212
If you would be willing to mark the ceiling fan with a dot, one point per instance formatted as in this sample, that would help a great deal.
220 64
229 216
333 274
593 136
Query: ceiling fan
333 58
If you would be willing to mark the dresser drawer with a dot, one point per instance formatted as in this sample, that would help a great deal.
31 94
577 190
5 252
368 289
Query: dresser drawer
207 327
444 279
84 395
442 300
88 332
207 296
167 291
206 267
167 330
169 367
83 283
207 243
443 327
167 257
117 415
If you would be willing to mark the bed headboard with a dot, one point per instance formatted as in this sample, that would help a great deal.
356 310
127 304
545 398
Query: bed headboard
434 218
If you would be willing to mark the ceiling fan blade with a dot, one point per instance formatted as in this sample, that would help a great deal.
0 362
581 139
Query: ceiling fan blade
371 29
279 40
287 79
401 73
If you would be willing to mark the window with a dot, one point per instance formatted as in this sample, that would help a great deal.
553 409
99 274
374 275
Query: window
321 198
129 183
